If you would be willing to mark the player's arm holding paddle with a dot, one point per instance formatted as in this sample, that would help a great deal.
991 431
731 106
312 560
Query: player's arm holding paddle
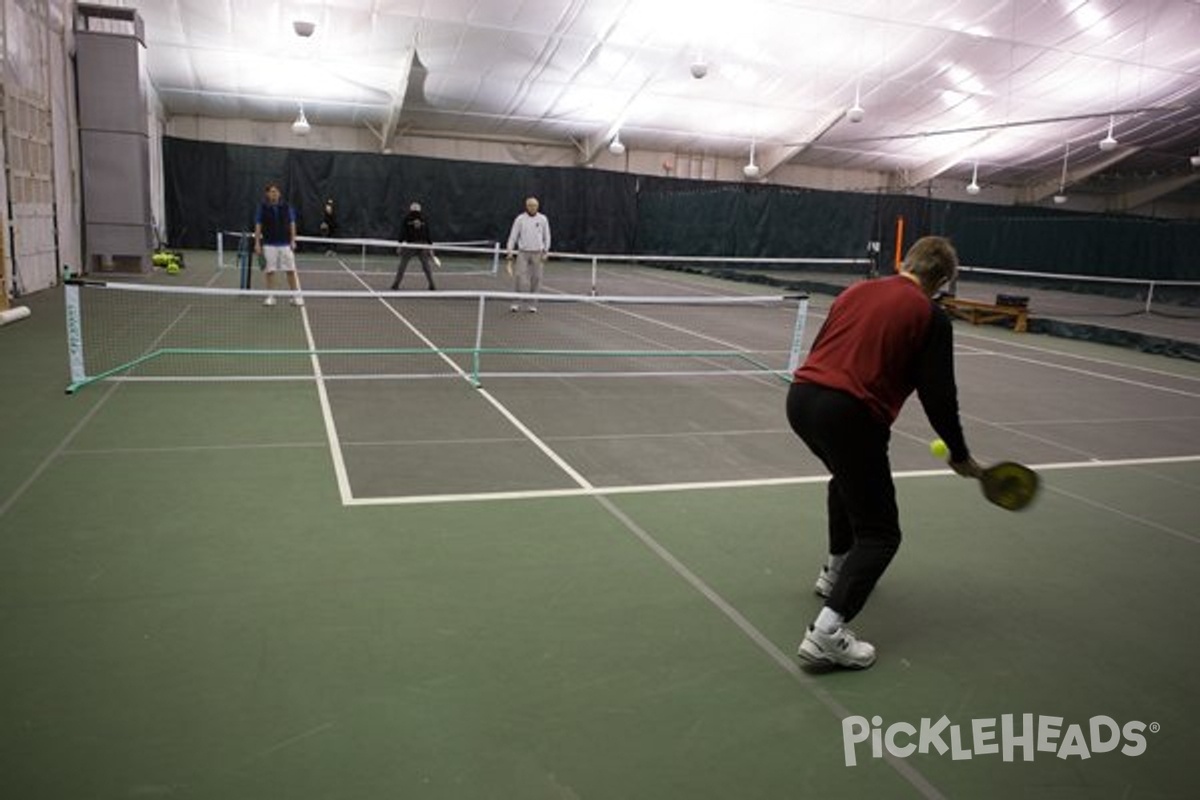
938 393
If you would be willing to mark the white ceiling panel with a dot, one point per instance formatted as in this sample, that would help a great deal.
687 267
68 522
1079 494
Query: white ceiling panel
1006 83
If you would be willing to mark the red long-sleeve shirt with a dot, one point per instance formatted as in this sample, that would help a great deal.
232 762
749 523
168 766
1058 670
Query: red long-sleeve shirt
882 340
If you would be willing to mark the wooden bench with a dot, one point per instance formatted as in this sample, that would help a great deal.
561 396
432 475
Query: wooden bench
977 312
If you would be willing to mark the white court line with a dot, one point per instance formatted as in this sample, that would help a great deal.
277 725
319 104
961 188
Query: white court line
335 446
994 342
61 449
583 484
1126 515
410 376
1091 359
918 781
1100 375
331 432
748 483
348 497
1102 420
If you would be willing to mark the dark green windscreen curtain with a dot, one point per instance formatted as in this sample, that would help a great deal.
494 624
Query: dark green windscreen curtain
213 186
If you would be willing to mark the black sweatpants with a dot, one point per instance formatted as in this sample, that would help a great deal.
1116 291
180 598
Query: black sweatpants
864 522
406 254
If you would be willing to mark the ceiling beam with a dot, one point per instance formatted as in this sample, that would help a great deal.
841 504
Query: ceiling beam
392 120
1128 201
772 157
590 147
932 169
1037 192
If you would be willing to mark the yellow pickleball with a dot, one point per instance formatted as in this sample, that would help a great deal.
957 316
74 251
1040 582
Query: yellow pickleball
939 448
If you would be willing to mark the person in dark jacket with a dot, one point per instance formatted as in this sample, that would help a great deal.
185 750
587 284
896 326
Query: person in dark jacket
882 340
416 232
329 224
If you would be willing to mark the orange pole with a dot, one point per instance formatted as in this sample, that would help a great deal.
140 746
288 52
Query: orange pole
899 241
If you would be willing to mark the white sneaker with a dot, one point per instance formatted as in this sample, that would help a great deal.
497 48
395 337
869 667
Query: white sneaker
297 301
838 649
824 585
532 309
270 301
514 307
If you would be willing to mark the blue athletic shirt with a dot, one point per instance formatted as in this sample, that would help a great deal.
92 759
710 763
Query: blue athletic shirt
276 221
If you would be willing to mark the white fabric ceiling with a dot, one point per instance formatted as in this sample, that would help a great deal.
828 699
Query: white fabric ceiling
944 85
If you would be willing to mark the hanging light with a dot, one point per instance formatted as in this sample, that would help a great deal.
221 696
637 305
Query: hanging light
973 186
616 146
751 169
1195 160
301 127
1108 142
1061 197
856 112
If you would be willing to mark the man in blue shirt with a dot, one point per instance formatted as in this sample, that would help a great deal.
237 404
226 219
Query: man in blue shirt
275 242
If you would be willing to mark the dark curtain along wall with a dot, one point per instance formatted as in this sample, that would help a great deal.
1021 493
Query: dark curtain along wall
1042 240
214 186
686 217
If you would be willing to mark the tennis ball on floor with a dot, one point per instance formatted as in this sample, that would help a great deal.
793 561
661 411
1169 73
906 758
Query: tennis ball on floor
939 448
173 268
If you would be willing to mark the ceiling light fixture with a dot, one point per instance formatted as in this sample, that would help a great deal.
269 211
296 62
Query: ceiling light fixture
1061 197
973 186
1195 160
856 112
301 127
699 67
304 28
616 146
751 169
1108 142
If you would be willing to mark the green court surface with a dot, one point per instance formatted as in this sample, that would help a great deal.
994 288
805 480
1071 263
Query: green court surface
191 606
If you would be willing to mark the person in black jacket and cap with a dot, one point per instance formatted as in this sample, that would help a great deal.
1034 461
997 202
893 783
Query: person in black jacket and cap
329 223
416 232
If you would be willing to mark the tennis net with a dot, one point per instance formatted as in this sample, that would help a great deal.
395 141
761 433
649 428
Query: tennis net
585 273
134 331
1067 296
477 265
331 259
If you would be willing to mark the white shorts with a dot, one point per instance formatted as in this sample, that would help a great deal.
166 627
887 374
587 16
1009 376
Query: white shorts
279 258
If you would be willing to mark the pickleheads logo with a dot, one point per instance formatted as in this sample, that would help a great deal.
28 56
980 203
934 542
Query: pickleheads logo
1029 735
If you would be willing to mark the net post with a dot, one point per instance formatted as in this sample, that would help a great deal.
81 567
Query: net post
594 276
899 242
798 334
495 258
75 354
478 349
1149 296
220 250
